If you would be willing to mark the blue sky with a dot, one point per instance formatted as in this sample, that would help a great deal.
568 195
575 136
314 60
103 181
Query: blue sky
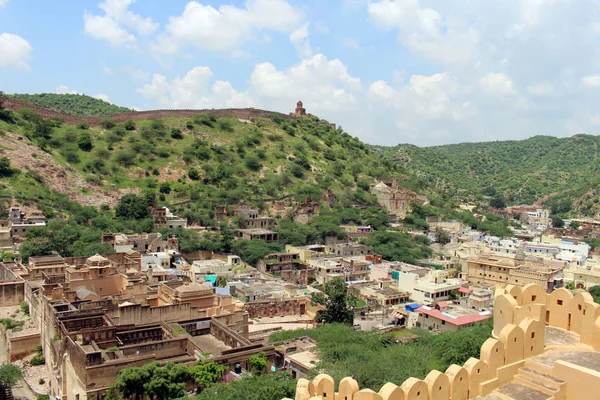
425 72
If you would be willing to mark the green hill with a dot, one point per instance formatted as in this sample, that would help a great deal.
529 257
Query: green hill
102 178
522 171
72 104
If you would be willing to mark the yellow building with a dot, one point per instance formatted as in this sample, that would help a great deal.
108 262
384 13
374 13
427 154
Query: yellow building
500 271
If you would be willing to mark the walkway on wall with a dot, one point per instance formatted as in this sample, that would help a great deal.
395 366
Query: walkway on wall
536 379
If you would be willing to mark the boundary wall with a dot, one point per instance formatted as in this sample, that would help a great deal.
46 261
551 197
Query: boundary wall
520 318
241 113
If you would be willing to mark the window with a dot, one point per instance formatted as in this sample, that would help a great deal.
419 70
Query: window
443 322
532 335
533 298
559 302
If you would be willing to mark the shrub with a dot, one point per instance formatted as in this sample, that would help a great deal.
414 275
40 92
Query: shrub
41 381
107 123
25 308
83 126
85 142
129 125
225 125
125 158
253 163
176 133
38 360
193 174
165 188
71 156
189 125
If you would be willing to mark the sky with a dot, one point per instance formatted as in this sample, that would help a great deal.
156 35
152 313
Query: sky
426 72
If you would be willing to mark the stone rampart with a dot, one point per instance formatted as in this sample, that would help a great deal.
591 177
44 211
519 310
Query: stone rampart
520 319
241 113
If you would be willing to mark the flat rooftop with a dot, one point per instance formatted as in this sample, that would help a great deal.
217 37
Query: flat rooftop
307 359
210 344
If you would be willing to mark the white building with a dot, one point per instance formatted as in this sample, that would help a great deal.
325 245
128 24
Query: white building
435 286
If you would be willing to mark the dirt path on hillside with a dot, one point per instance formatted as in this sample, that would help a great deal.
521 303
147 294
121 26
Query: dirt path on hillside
22 153
541 201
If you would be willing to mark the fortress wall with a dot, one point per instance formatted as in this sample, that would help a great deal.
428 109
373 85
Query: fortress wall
241 113
520 319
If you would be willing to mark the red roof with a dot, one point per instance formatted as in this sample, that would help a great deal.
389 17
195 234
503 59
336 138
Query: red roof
464 290
459 321
442 304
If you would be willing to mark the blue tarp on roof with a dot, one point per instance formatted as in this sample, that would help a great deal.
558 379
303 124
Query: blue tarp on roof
411 307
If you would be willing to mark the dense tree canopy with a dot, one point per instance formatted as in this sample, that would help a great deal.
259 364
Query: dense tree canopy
336 301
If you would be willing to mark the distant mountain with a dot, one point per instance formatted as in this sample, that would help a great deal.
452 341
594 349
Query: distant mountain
79 105
522 171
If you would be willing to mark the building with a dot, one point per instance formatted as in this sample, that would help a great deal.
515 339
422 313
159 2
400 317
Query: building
143 243
348 249
501 271
298 356
395 199
306 252
48 265
164 218
435 286
382 293
287 266
19 223
543 346
258 234
300 110
444 317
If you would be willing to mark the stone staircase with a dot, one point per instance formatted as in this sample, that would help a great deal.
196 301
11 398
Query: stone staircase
532 382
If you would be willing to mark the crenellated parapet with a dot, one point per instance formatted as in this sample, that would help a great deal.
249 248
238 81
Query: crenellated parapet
521 315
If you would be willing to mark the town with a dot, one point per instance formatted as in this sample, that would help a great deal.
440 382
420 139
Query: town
87 318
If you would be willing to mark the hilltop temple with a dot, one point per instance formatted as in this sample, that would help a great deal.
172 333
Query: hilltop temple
543 347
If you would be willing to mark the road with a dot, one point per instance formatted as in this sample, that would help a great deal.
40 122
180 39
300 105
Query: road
20 391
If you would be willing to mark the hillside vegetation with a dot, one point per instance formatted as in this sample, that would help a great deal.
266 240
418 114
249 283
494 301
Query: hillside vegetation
79 105
192 165
522 171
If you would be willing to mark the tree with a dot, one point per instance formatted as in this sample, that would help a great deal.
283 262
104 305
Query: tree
5 168
132 206
574 225
258 362
221 281
441 236
595 292
497 202
558 222
335 299
5 113
107 123
85 142
259 387
206 374
9 376
37 246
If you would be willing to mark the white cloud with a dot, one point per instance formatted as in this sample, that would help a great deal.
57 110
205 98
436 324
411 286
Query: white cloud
103 97
14 51
64 89
225 29
135 74
591 81
3 3
540 89
301 42
113 25
324 85
497 84
118 11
